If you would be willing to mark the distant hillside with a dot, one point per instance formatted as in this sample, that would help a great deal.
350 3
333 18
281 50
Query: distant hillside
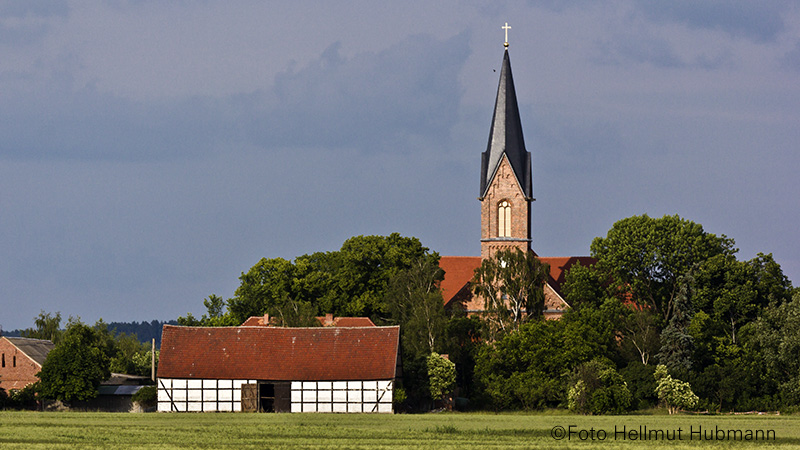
144 331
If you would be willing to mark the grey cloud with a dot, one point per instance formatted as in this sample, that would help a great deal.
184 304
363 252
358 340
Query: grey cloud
34 8
791 60
572 144
756 20
629 47
369 101
23 34
30 20
87 125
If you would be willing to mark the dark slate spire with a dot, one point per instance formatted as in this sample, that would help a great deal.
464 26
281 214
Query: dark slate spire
505 137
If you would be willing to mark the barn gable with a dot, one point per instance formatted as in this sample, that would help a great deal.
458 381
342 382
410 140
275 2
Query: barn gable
20 360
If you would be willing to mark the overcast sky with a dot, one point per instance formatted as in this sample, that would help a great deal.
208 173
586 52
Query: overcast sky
150 151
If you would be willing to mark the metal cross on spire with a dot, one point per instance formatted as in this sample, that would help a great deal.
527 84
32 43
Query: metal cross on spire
506 28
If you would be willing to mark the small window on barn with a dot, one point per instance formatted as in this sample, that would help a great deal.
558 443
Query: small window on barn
14 359
4 359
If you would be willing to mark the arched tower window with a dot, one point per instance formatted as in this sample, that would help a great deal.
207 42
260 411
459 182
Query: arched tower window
504 219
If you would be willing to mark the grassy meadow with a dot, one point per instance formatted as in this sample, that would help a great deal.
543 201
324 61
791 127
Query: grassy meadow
33 430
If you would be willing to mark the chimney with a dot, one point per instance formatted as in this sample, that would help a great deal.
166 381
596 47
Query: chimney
328 319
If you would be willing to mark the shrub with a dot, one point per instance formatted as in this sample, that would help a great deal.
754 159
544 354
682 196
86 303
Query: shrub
24 398
597 388
441 376
147 396
676 394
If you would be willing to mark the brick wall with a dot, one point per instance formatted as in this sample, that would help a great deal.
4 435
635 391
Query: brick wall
17 370
504 186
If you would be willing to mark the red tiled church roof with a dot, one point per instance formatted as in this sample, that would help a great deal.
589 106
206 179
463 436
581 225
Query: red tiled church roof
459 271
560 265
279 354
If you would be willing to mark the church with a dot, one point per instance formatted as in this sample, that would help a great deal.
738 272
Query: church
506 194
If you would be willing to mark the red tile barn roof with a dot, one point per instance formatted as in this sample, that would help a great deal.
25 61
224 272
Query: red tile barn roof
279 354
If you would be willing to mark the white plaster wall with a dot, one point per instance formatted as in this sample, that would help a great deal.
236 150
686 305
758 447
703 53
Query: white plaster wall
192 395
185 395
342 396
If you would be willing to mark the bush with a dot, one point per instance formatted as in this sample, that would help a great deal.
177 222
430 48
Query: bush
676 394
441 376
147 396
641 383
24 398
597 388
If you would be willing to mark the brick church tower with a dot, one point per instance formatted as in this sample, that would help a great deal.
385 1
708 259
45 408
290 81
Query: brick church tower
506 195
506 183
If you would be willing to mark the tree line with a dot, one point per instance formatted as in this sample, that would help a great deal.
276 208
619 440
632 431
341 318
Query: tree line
83 357
663 292
667 315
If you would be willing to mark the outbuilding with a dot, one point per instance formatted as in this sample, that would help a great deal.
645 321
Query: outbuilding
274 369
20 360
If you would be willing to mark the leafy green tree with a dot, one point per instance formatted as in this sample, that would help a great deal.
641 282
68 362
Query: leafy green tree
415 303
677 344
729 368
266 286
645 257
463 342
367 265
600 324
512 287
295 314
525 369
585 285
47 326
441 376
597 388
131 356
775 340
641 384
675 394
733 292
349 282
640 333
75 367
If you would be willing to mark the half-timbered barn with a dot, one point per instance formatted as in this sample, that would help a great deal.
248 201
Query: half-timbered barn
274 369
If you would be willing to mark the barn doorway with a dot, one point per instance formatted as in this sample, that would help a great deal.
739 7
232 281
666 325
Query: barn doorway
266 397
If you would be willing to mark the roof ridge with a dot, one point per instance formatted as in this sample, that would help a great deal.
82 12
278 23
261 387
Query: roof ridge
27 338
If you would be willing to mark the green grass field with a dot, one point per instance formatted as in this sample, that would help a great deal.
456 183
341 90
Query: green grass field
31 430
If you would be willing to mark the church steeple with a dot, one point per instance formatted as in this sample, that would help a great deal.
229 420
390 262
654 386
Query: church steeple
505 136
506 183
